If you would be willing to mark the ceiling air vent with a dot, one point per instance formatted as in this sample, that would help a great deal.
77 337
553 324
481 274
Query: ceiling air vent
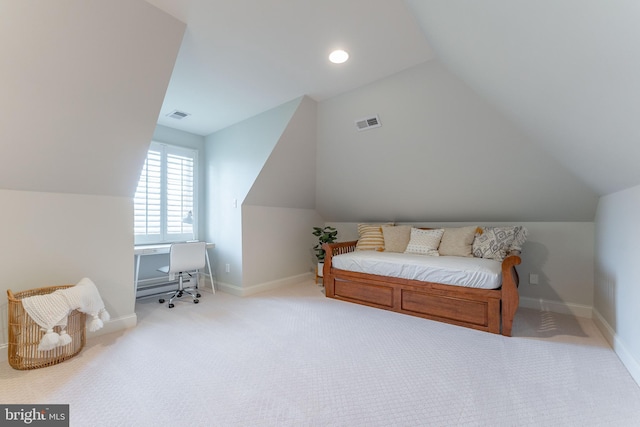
368 123
176 114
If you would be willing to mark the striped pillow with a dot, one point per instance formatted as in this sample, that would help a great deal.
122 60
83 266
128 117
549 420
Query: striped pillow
371 238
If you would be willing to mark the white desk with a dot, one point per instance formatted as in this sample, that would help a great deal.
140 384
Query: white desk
141 250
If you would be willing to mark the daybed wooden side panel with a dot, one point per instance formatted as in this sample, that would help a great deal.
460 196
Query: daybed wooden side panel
473 311
473 308
510 296
331 250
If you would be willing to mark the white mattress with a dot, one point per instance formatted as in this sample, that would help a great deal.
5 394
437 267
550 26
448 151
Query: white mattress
450 270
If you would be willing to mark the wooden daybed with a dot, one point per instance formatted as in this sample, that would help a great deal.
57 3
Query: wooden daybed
490 310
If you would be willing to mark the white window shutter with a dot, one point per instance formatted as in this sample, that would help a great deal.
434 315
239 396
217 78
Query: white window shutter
166 195
180 190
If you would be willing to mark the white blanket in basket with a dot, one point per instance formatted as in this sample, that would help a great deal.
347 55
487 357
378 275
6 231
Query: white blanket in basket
52 310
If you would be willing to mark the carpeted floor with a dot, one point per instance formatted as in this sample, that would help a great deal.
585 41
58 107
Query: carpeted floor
292 357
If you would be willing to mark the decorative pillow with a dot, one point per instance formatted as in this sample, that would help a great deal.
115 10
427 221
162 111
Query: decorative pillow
371 238
519 239
457 241
497 242
396 238
424 242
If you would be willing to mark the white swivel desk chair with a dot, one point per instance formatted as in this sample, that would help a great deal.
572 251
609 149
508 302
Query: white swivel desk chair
184 258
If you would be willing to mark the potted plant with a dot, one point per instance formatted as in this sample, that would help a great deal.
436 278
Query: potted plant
324 235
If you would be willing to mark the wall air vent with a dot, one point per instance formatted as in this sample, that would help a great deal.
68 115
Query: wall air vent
176 114
368 123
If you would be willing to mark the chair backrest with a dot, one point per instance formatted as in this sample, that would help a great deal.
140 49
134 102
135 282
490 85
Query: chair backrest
187 256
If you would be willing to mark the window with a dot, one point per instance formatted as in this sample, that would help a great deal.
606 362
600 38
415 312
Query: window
165 201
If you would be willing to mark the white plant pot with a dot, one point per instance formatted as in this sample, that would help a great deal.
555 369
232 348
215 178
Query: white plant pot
320 268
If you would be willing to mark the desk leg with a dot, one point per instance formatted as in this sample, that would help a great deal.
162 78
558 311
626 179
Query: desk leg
135 294
213 285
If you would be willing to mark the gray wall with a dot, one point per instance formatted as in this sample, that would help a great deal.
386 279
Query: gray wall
53 239
564 72
82 85
279 212
235 156
442 154
81 89
617 272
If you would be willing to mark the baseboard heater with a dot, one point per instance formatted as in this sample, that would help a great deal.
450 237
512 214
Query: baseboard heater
153 287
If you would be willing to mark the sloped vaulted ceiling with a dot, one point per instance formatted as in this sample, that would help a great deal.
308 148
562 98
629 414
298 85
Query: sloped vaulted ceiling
442 154
283 182
567 72
82 83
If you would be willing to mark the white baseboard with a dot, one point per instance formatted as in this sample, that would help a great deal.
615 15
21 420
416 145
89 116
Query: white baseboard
577 310
112 325
228 288
618 346
4 352
609 334
267 286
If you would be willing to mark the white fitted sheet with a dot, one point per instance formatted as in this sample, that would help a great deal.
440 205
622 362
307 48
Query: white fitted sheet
450 270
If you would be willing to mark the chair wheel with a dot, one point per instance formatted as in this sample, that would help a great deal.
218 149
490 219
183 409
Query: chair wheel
195 301
170 305
179 294
161 300
198 295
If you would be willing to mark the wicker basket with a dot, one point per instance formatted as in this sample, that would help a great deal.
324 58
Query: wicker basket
25 334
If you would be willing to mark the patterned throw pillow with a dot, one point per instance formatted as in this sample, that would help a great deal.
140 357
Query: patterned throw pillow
497 242
457 241
396 238
424 242
519 239
371 238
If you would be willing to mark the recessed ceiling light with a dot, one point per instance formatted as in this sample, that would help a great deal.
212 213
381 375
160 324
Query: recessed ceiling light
338 56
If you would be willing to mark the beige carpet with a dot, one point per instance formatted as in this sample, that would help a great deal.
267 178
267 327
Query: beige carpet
291 357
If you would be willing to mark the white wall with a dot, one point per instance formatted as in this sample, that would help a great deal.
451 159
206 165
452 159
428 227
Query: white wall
276 245
566 72
82 84
234 158
442 154
617 272
288 177
279 212
266 163
560 253
54 239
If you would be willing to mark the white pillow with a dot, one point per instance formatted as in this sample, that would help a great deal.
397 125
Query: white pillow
424 242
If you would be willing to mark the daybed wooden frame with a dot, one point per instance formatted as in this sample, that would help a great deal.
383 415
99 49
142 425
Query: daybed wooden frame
490 310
